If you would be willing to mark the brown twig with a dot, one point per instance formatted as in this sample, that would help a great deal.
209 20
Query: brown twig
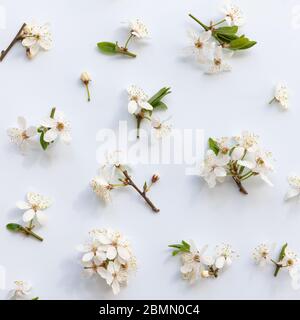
239 184
142 194
14 41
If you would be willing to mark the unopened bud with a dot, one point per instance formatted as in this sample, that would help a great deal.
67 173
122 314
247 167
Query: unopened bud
85 78
205 274
155 178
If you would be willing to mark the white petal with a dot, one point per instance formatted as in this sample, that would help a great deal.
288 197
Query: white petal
41 217
28 215
123 253
292 193
29 41
220 261
146 105
111 253
220 172
237 153
48 123
22 123
23 205
103 273
132 107
87 257
115 286
50 135
186 268
66 137
31 131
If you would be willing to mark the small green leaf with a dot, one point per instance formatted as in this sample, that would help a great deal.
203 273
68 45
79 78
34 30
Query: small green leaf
14 227
227 30
213 145
161 106
154 100
241 43
181 247
145 187
43 143
107 47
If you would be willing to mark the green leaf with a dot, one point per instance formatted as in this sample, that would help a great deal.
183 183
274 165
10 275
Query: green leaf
43 143
145 187
227 30
107 47
154 100
161 106
14 227
213 145
225 38
241 43
181 247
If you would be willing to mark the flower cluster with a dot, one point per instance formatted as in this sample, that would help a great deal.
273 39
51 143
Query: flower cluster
240 157
115 169
195 264
33 214
137 30
109 255
217 43
21 291
287 260
281 96
50 129
142 108
33 37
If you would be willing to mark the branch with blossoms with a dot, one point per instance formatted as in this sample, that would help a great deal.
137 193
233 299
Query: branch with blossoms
51 128
32 216
196 264
33 37
142 108
108 255
216 44
138 30
287 260
239 157
103 184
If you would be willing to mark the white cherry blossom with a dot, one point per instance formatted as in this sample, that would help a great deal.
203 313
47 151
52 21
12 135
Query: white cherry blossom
138 100
233 14
219 62
21 290
294 191
261 254
201 45
281 96
138 29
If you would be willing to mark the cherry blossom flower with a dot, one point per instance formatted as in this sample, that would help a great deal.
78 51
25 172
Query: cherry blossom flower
219 62
261 254
233 14
21 290
201 45
281 96
21 136
102 188
57 126
294 191
34 206
138 29
36 37
224 256
137 100
161 128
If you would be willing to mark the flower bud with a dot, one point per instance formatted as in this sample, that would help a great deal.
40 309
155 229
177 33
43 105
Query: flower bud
85 78
205 274
155 178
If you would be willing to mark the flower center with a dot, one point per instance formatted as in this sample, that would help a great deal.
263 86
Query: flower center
197 258
260 161
199 44
290 262
60 126
24 135
217 62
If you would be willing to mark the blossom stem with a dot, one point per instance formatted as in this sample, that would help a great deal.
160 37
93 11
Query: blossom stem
124 50
127 42
281 256
52 113
142 194
88 91
31 233
205 27
138 125
246 176
239 184
274 99
14 41
216 24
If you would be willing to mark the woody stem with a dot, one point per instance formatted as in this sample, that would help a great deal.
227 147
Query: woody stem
14 41
239 184
141 193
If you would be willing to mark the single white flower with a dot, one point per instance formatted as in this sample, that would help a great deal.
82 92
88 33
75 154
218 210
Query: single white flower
281 96
224 256
294 191
21 136
102 188
263 165
201 45
137 100
34 205
290 259
233 14
21 290
261 254
36 37
57 126
192 263
115 275
219 62
138 29
213 168
114 245
93 252
161 128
